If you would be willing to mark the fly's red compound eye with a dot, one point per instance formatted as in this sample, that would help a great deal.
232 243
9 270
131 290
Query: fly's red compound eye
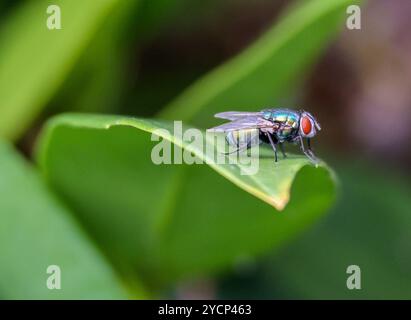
306 125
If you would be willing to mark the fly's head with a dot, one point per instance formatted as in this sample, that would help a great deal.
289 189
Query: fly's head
308 125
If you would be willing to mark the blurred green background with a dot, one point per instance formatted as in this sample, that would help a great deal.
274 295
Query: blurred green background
90 201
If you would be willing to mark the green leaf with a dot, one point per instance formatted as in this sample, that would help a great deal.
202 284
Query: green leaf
259 76
35 60
368 227
37 231
172 221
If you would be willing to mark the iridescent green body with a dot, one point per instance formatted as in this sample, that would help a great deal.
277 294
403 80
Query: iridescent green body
288 120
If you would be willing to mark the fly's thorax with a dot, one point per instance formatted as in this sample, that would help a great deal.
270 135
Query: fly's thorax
286 134
281 114
288 117
288 121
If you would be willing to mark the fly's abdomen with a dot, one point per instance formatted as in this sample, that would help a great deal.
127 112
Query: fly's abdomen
243 138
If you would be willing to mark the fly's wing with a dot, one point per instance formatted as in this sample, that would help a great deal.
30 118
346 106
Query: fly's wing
244 123
234 115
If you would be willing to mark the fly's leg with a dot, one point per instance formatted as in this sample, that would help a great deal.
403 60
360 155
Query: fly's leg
282 150
308 152
247 146
239 148
272 145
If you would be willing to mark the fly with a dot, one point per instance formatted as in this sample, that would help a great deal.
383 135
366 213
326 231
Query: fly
275 127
